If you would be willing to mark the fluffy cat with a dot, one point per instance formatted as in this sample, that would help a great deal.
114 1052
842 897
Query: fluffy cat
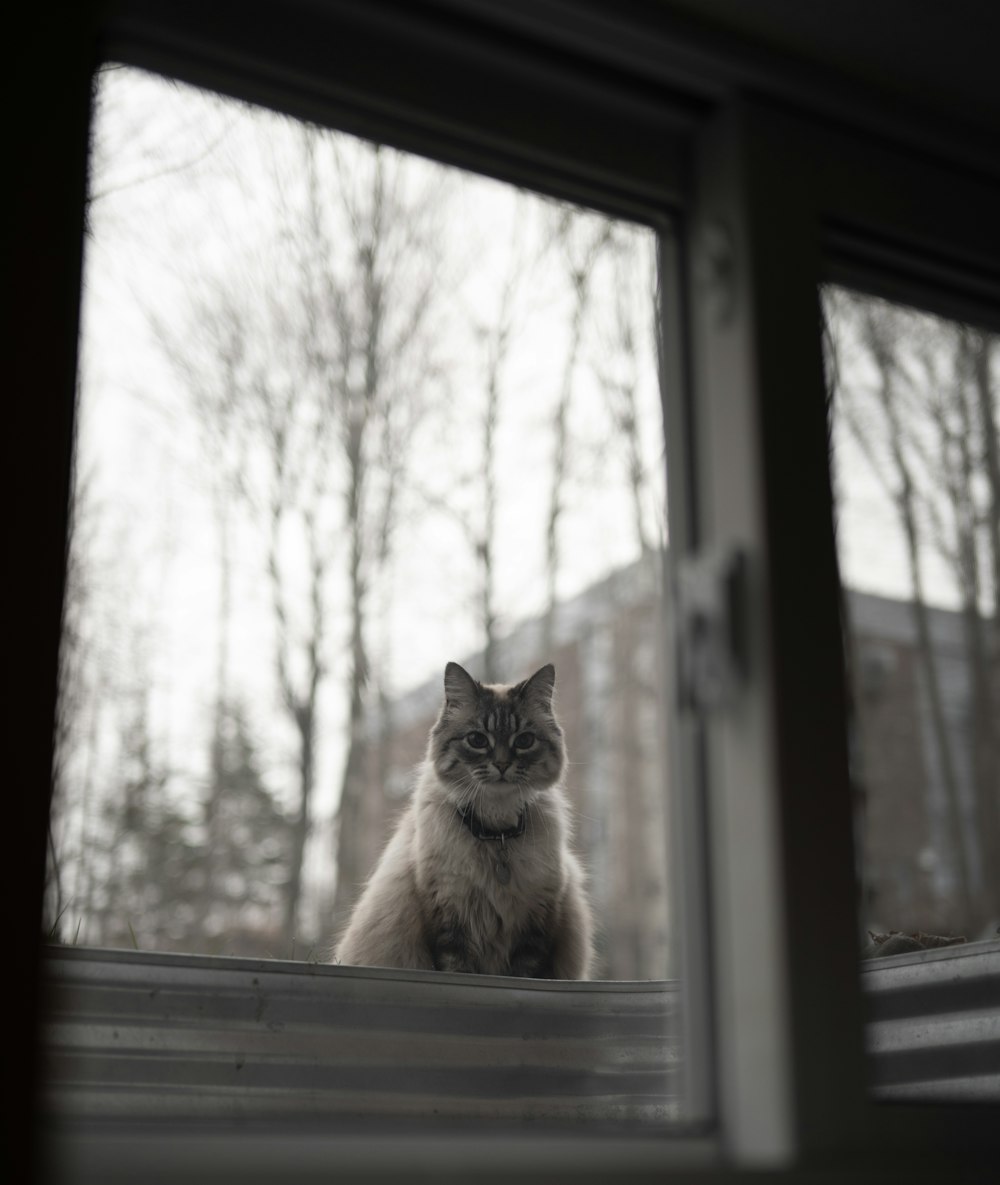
478 875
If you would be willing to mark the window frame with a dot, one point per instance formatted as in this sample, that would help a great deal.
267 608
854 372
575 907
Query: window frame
800 203
797 199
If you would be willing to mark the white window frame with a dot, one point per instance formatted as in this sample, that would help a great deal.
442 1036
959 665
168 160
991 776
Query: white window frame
793 203
768 204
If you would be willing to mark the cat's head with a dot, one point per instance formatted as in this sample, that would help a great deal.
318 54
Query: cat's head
497 743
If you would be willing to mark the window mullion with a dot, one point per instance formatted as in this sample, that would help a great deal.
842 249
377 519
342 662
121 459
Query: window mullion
788 1004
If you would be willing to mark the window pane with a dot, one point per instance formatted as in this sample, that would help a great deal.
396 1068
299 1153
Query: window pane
915 407
345 415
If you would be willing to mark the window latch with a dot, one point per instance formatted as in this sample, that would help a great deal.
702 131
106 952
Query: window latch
710 629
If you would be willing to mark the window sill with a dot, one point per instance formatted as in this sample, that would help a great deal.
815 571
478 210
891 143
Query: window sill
135 1037
258 1070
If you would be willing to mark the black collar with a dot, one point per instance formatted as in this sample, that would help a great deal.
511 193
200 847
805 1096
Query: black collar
481 831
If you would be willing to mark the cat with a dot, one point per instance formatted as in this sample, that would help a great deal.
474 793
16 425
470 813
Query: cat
478 876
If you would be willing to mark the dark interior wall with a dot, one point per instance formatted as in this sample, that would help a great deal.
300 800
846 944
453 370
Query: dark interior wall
50 52
941 59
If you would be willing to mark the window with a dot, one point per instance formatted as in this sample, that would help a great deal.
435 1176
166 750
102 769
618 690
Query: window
914 448
915 414
780 209
344 415
770 203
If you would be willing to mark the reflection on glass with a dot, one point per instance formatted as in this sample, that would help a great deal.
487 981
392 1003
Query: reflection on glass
915 408
344 415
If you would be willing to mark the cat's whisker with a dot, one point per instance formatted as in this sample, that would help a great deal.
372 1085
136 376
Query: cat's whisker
471 791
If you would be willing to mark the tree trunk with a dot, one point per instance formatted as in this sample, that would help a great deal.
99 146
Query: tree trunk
905 502
485 544
217 771
305 722
986 405
350 845
560 461
939 724
361 408
985 642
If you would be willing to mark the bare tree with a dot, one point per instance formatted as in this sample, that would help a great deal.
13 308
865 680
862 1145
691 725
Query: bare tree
71 712
928 443
955 385
985 400
634 315
381 308
496 343
580 244
986 389
473 502
305 360
86 693
882 338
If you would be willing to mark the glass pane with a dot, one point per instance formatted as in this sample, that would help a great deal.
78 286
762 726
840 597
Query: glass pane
915 408
345 415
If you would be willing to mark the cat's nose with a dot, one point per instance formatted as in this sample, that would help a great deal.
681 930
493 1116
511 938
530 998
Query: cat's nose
502 767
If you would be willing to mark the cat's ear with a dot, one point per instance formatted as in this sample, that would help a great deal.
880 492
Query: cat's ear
460 689
539 688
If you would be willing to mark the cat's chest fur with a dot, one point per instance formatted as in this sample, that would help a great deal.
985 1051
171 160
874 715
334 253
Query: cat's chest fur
508 872
488 901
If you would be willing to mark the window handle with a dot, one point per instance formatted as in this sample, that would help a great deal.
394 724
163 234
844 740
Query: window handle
710 629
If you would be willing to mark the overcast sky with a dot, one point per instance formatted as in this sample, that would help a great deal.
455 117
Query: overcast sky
185 188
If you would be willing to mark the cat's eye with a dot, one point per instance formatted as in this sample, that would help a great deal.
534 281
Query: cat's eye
525 740
477 740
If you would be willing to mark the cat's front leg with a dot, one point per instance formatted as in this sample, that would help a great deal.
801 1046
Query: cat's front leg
531 957
450 948
572 933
